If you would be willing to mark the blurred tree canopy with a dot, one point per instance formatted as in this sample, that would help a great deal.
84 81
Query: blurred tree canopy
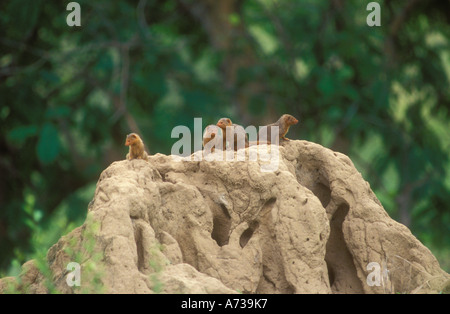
69 96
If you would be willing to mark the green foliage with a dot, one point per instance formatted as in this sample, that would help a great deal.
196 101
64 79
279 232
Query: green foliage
48 144
70 95
157 266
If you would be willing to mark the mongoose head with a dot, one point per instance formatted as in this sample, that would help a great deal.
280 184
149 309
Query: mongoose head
288 119
224 122
132 139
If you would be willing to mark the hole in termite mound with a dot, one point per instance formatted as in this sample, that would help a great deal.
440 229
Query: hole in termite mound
221 225
248 233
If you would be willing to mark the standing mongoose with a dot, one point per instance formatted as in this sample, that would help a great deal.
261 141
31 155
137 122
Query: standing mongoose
284 123
137 150
238 131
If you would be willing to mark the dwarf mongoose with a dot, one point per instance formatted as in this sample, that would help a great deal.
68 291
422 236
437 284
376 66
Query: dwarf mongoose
238 131
137 150
284 123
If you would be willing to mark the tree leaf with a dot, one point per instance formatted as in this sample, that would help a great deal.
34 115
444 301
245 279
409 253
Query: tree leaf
326 85
20 134
48 145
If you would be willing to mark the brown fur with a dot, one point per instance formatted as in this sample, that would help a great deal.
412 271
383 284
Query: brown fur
237 129
284 123
137 150
210 134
